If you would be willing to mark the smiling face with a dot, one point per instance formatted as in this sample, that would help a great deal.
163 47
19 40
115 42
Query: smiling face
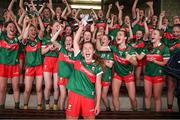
156 36
165 21
46 13
68 42
141 14
32 32
121 37
126 19
139 35
87 36
100 14
68 30
55 27
88 51
11 29
176 32
105 40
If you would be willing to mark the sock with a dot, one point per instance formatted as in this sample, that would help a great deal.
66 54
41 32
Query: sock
40 105
2 106
169 106
47 101
55 101
147 109
16 105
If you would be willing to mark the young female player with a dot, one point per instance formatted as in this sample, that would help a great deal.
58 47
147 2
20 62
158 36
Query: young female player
107 75
9 62
157 56
50 65
85 82
124 59
34 70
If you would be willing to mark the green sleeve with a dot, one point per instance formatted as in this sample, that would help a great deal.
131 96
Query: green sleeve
166 53
98 70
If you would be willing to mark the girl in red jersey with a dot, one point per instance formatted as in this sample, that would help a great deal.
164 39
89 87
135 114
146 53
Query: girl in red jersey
65 65
157 56
85 82
124 59
107 75
50 65
9 62
32 38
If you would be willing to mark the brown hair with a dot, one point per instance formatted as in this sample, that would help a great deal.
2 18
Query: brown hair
98 59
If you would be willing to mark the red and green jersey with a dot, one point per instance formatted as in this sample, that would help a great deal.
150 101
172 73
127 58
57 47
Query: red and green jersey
172 44
101 23
9 50
107 73
138 45
46 21
33 52
46 42
122 66
175 47
159 53
83 78
138 26
21 47
65 62
113 31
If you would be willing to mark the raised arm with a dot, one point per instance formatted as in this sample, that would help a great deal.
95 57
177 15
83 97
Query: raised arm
161 16
63 13
21 6
130 31
137 18
96 17
41 31
151 10
76 15
99 47
68 8
21 18
146 35
25 33
42 7
77 39
134 8
120 8
109 10
10 7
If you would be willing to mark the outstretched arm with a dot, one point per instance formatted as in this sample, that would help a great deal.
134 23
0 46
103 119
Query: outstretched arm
68 8
96 17
134 8
151 10
77 39
120 8
41 32
146 35
109 10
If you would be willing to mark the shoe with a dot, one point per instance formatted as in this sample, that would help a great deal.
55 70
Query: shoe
169 110
47 107
55 107
39 107
108 109
10 91
25 107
